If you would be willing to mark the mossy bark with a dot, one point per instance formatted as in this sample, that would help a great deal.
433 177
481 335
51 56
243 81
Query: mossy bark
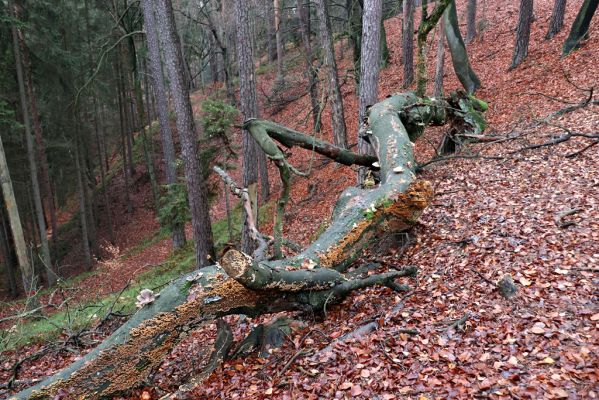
313 279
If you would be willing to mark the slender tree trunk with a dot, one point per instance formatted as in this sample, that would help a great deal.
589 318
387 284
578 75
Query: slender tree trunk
522 33
8 251
249 109
168 147
369 67
31 155
123 126
580 26
82 205
272 31
37 129
337 113
557 19
407 48
27 272
304 24
279 42
440 67
196 188
107 206
471 21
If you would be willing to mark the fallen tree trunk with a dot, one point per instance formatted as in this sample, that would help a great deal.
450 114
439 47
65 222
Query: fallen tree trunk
312 279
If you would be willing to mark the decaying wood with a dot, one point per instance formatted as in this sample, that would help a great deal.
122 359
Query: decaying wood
313 280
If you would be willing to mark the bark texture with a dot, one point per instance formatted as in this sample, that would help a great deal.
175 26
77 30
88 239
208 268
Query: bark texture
166 136
304 24
440 65
557 19
522 33
407 48
471 21
337 112
196 188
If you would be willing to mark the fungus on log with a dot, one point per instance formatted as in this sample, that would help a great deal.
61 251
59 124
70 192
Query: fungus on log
312 279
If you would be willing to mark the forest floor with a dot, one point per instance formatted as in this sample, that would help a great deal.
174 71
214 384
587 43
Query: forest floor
502 209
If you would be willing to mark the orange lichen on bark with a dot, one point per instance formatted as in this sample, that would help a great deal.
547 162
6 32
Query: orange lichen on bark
126 365
401 214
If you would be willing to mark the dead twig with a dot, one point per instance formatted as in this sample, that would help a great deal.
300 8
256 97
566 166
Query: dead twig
559 219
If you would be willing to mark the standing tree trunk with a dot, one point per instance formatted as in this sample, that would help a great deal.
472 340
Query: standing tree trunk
557 19
249 109
123 129
37 129
459 55
407 48
196 187
272 32
31 155
369 69
279 42
471 20
440 68
304 24
27 271
580 26
166 136
8 251
522 33
337 113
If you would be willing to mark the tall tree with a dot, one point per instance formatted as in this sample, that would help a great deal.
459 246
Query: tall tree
557 19
369 67
459 55
471 21
31 155
580 26
27 272
166 136
427 23
196 187
407 48
279 41
337 113
304 25
440 65
522 33
249 109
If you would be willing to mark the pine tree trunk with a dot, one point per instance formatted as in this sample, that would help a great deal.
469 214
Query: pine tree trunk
168 147
27 272
41 147
369 69
196 187
557 19
471 21
440 66
31 155
272 31
249 109
337 113
8 252
304 24
522 33
407 48
107 206
123 129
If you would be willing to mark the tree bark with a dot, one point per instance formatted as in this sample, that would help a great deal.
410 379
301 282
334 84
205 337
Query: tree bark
457 48
557 19
580 26
8 252
522 33
166 136
471 21
440 66
279 42
85 237
128 357
196 187
31 155
337 112
123 131
407 48
27 272
304 24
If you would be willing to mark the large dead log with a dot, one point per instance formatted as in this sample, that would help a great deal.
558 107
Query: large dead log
312 279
